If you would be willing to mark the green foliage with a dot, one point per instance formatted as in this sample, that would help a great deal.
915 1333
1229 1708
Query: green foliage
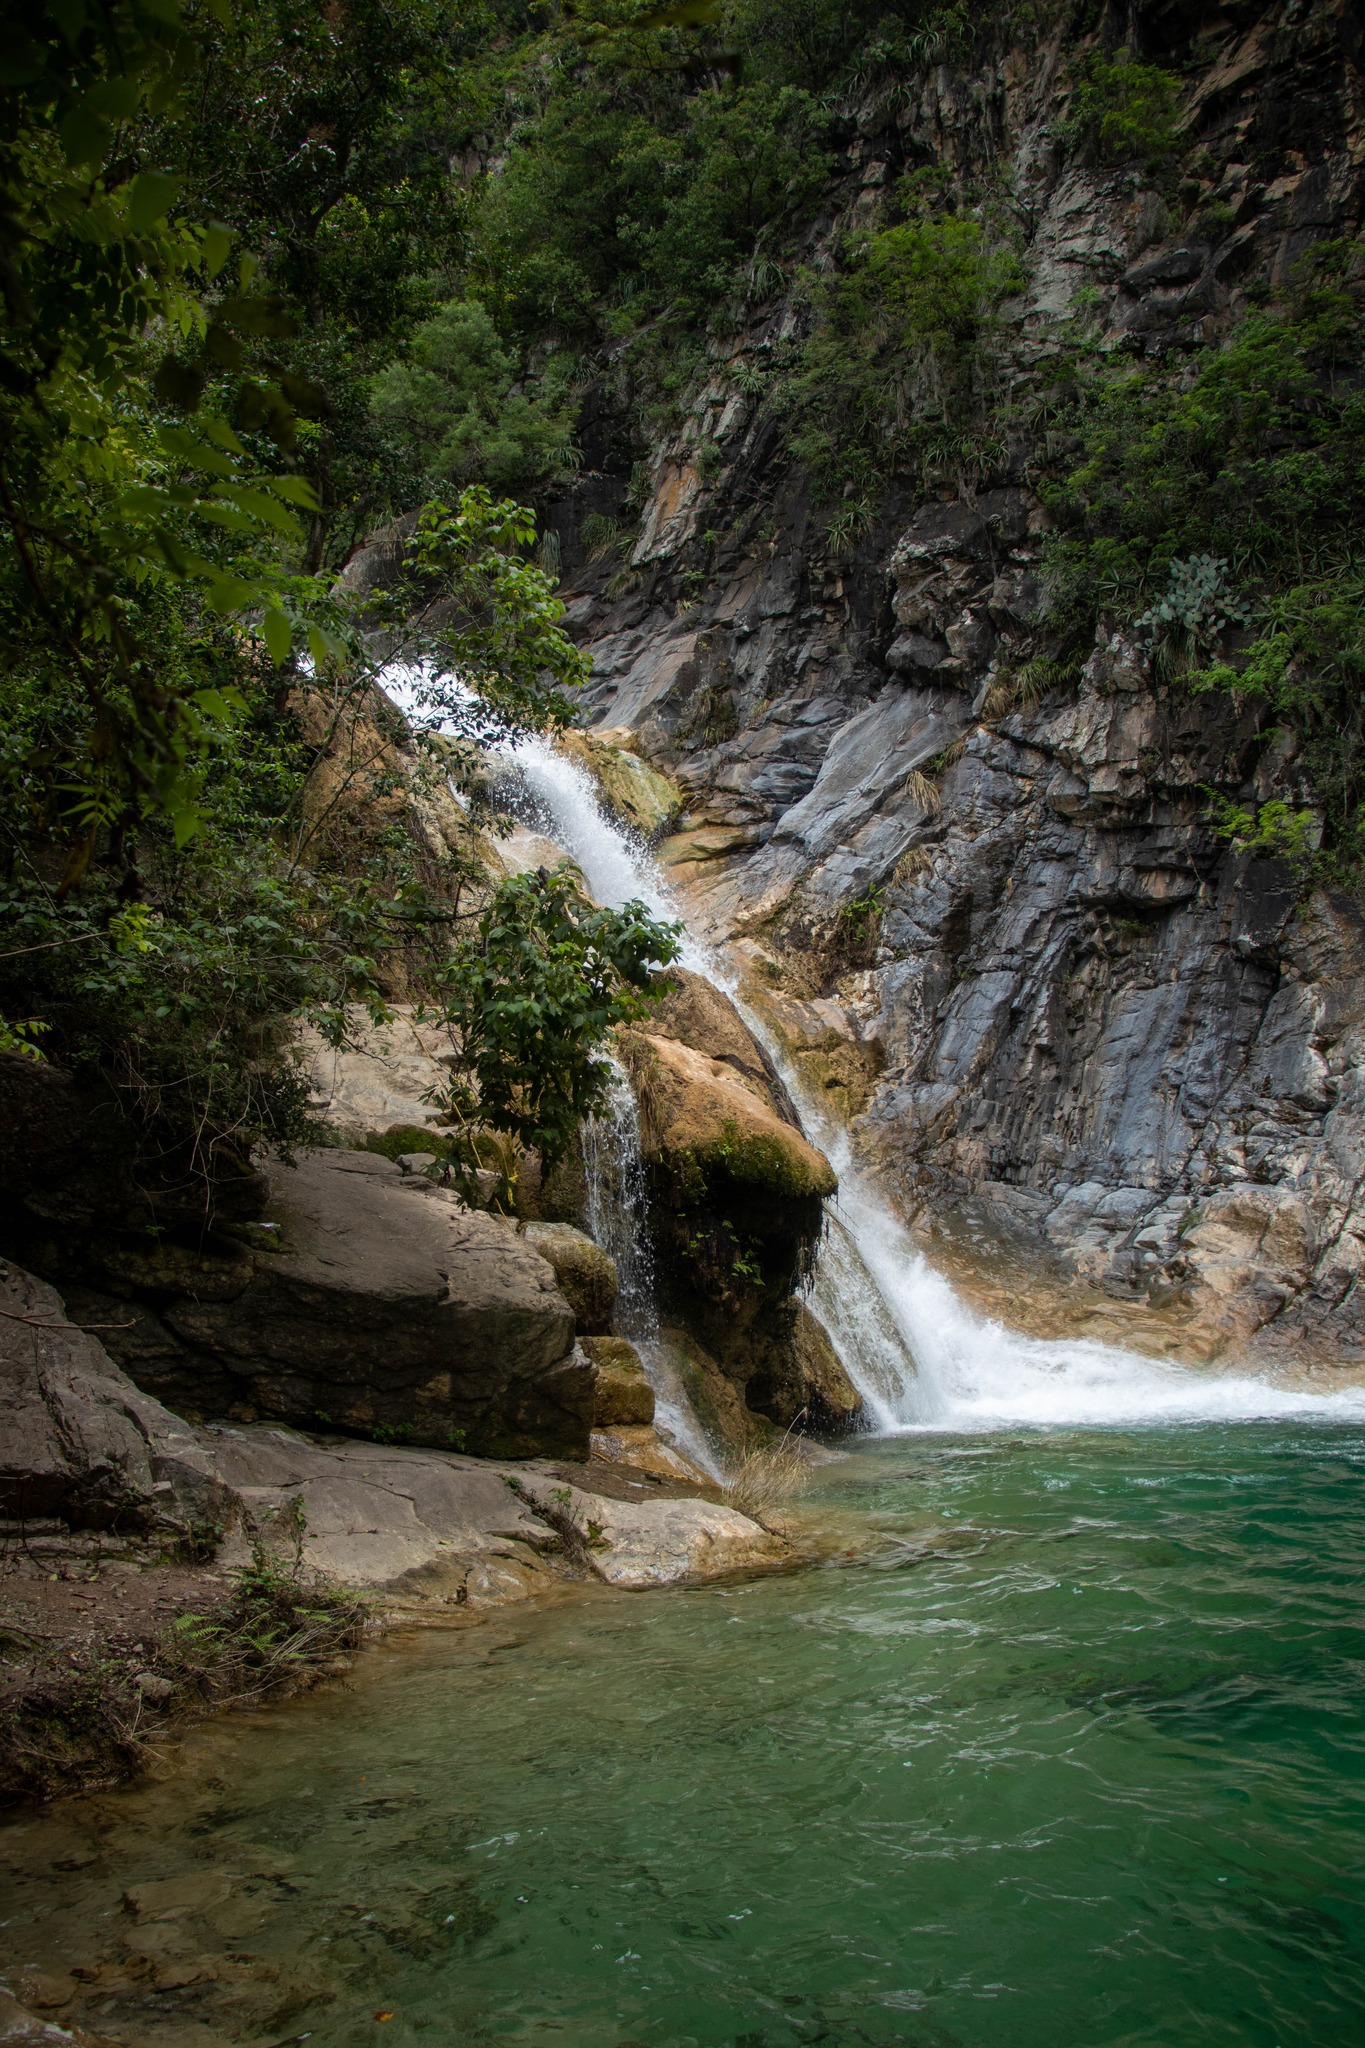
824 45
531 996
485 622
1192 614
119 522
1272 829
897 350
1124 110
450 403
1308 663
322 138
170 976
1254 454
643 205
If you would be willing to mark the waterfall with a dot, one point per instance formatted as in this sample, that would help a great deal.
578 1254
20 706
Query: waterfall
618 1219
618 1205
919 1358
911 1348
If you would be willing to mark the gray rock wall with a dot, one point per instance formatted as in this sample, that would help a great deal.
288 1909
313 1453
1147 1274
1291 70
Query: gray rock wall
1130 1048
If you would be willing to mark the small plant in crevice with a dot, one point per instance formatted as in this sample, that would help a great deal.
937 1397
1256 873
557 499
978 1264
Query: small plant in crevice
575 1538
1019 689
1196 608
711 718
857 928
603 535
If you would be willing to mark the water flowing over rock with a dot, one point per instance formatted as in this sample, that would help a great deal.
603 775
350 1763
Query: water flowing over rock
1068 1011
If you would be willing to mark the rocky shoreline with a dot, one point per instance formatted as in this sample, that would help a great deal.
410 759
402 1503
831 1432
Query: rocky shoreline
123 1522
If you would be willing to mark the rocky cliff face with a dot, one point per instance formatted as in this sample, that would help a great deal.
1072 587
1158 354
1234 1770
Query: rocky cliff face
991 918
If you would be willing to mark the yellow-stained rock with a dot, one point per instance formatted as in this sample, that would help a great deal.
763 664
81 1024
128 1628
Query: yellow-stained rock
624 1395
640 1446
703 1117
642 799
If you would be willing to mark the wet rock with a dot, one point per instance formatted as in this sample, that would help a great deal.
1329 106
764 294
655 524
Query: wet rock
20 2028
639 797
585 1274
623 1394
805 1382
642 1449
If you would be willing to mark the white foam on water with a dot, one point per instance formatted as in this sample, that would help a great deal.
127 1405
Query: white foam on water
920 1359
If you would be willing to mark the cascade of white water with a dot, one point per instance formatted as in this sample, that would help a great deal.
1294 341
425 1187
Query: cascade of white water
618 1205
919 1358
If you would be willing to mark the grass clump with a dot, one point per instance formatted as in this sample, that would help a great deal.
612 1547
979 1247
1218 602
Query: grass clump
766 1478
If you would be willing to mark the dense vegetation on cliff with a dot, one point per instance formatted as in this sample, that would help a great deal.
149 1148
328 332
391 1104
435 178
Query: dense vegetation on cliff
275 277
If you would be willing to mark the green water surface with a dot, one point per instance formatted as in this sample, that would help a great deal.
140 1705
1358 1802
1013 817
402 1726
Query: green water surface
1068 1754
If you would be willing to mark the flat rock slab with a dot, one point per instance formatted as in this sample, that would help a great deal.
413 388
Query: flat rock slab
82 1445
434 1526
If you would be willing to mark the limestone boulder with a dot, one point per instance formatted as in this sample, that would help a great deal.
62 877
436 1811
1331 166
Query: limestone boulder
698 1014
624 1395
387 1306
707 1121
1248 1256
80 1445
78 1441
585 1274
386 1077
639 1447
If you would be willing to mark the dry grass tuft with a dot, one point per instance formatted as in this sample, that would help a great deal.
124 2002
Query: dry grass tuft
923 792
766 1478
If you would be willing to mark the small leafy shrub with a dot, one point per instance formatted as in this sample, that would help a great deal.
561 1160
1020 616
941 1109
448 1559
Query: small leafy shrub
1274 830
1195 610
858 926
1124 110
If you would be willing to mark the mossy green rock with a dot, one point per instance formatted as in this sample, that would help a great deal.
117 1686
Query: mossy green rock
644 800
586 1274
624 1395
706 1120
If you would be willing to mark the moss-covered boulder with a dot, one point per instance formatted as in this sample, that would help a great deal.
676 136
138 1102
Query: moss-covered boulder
586 1274
624 1395
737 1206
640 798
707 1123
